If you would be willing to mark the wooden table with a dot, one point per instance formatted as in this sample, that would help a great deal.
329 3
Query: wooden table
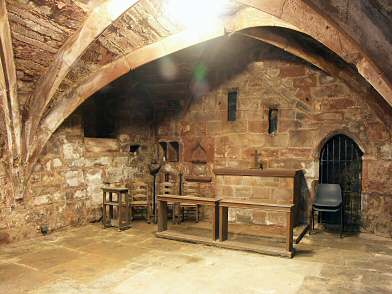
122 204
225 204
178 199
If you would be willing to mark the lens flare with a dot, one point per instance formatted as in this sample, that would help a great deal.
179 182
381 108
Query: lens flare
196 13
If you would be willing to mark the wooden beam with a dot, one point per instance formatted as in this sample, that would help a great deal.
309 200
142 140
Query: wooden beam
8 86
96 23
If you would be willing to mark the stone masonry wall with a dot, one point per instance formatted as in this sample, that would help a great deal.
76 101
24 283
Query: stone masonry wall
312 108
271 190
65 188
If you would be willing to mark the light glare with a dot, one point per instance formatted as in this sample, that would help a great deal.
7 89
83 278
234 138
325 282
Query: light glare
196 13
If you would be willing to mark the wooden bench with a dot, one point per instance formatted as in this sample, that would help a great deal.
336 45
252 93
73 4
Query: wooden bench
163 200
225 204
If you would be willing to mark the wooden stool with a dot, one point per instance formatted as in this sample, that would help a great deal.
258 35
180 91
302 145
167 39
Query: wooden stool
122 206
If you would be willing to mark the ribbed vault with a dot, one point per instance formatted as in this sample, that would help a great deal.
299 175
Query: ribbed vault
56 54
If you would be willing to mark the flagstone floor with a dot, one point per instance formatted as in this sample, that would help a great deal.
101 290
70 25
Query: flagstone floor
89 259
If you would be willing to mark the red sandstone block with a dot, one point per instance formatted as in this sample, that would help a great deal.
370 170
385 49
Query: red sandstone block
337 104
299 152
260 192
279 140
243 192
269 153
286 125
332 90
326 79
259 127
232 180
287 113
282 195
292 71
302 138
249 181
276 218
331 116
228 192
259 217
305 82
304 95
376 131
214 127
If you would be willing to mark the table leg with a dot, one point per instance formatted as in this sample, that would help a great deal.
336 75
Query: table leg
162 216
223 223
215 222
104 209
119 217
110 206
127 209
289 237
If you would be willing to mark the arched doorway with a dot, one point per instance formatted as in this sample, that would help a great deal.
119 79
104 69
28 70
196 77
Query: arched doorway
341 163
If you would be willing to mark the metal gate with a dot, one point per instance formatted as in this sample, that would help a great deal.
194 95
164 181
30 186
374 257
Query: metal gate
341 163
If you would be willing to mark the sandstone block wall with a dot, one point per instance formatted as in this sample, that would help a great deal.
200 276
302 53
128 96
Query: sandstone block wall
312 107
272 190
65 188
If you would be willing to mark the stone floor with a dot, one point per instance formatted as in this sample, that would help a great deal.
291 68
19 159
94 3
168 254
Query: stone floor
92 260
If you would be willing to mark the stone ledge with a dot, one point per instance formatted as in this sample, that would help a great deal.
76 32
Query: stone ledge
284 173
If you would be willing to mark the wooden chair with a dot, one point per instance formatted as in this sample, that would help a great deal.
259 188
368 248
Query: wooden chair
190 189
140 199
169 188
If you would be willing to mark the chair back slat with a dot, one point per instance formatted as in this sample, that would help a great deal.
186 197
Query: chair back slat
168 188
191 188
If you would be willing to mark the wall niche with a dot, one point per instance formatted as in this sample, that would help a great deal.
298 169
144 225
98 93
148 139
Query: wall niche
170 150
199 155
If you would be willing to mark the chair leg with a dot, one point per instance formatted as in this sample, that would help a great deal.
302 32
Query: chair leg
174 213
312 219
197 213
148 214
341 222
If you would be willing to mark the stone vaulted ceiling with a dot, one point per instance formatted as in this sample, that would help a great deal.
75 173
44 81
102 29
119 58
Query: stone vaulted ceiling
57 53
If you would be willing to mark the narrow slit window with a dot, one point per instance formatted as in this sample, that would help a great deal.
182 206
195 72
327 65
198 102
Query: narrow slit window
232 105
272 121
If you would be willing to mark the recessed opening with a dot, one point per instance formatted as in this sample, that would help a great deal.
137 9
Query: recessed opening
164 149
272 121
134 148
232 105
170 150
173 152
99 113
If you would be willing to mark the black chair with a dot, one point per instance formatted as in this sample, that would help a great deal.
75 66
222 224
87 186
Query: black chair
329 199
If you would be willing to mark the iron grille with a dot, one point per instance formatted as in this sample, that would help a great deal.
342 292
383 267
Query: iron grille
341 163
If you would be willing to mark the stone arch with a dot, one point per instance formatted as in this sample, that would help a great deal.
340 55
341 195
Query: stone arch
319 146
258 16
341 162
